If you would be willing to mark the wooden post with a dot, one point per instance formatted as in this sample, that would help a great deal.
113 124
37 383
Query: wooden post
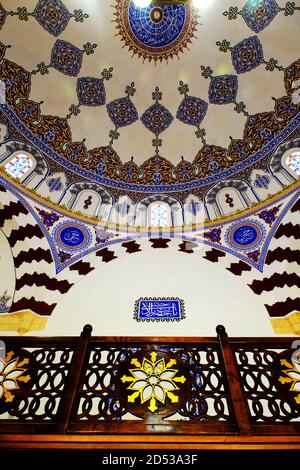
71 388
236 392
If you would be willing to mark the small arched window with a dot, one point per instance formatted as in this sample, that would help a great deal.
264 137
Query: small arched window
159 215
293 162
19 165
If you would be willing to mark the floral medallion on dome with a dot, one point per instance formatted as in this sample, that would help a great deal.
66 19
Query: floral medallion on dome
157 118
259 14
247 54
66 58
157 32
72 236
122 112
91 91
223 89
245 235
53 16
192 110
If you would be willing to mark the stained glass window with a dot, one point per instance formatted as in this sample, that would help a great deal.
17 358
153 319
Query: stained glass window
159 215
293 162
19 165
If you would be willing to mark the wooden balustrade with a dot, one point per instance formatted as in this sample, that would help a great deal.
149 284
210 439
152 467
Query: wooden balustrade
92 392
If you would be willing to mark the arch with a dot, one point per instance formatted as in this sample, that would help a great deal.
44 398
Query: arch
279 161
99 205
36 169
229 196
174 212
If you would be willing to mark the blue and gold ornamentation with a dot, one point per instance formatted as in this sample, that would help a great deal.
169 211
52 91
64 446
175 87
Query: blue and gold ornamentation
223 89
122 112
262 181
54 184
72 236
258 14
157 32
66 58
53 16
90 91
247 54
159 309
192 110
157 118
245 235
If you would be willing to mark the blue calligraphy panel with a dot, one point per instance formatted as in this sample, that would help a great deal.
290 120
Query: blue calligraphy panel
159 309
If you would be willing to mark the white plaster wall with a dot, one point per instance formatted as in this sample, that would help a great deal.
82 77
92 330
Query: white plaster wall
212 295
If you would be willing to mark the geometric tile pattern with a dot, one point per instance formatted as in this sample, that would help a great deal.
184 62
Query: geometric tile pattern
191 110
223 89
247 54
66 58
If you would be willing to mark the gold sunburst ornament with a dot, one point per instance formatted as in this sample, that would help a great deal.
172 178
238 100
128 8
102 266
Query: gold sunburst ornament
11 373
157 32
153 381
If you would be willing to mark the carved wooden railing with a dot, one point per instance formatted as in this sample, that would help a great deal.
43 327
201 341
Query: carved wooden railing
113 387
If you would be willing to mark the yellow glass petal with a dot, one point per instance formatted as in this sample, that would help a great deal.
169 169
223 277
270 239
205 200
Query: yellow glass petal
285 363
22 363
285 380
8 396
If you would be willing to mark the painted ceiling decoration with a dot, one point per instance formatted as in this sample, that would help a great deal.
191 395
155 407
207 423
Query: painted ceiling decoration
124 131
53 16
158 32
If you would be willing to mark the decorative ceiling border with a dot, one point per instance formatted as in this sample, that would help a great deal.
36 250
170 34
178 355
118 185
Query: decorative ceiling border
269 147
254 258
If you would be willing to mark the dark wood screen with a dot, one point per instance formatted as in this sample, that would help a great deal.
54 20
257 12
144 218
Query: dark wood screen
149 386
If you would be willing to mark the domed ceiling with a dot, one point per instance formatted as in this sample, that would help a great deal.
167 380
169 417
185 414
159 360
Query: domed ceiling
169 135
167 98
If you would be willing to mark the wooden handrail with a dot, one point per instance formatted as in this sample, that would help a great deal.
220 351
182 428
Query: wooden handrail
237 396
